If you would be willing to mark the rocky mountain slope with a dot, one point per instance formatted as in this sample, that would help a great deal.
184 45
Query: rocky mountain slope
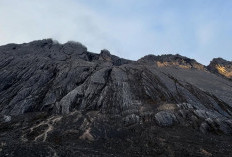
62 100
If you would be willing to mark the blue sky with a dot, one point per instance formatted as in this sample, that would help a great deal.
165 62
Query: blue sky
199 29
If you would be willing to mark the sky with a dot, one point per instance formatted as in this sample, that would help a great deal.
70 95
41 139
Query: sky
199 29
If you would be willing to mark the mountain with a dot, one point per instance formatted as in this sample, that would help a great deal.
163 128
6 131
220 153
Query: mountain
62 100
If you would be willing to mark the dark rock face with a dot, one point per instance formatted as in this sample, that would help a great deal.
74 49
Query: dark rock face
61 100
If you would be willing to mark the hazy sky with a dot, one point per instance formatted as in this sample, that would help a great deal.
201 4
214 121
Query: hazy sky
200 29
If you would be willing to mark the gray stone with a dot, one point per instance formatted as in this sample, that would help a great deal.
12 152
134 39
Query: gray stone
165 118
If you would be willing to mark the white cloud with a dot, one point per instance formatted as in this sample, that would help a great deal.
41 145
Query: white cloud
27 20
130 28
64 20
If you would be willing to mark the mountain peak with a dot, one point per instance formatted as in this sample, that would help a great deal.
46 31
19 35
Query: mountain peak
221 67
105 55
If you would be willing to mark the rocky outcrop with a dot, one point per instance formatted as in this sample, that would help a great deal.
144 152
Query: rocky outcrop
172 60
66 101
221 67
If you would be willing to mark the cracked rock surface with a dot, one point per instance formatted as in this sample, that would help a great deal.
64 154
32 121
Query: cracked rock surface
62 100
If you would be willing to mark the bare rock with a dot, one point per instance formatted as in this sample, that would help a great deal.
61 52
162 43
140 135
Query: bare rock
165 118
